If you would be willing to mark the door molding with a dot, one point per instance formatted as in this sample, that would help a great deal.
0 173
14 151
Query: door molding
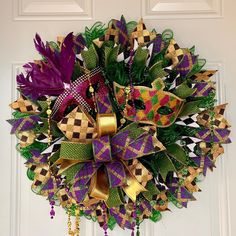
169 9
50 10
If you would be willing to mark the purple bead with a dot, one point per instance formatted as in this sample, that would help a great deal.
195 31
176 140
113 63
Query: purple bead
52 203
52 212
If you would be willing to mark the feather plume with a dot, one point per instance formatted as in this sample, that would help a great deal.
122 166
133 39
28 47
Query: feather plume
48 77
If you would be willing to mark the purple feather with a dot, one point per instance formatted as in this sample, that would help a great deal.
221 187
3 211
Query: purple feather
47 53
67 58
40 80
48 78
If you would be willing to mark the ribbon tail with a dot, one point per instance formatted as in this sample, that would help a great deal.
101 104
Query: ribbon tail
139 171
99 186
81 184
116 174
133 187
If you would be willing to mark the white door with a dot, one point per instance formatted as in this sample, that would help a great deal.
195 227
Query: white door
208 24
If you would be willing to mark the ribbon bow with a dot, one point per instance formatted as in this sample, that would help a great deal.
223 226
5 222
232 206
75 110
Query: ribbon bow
103 161
108 156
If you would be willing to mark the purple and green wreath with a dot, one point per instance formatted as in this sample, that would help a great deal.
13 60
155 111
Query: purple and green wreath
116 123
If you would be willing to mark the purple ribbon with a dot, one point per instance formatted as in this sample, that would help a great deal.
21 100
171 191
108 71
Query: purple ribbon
111 152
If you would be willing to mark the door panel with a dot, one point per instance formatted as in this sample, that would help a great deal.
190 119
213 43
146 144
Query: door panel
208 24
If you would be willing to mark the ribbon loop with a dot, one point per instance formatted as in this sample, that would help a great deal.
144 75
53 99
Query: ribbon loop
102 149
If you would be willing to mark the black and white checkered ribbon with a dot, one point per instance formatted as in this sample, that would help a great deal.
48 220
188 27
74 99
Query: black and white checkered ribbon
190 121
53 148
190 143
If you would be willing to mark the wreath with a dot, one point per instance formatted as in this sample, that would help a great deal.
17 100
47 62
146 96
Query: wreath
117 122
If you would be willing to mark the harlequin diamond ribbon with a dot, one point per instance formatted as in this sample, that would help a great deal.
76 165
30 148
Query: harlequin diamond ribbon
162 202
216 150
190 120
158 44
179 192
122 216
175 53
215 135
213 118
192 144
116 32
204 163
42 175
203 89
38 164
145 208
203 76
51 187
24 105
26 138
141 34
23 124
77 126
139 171
187 63
189 179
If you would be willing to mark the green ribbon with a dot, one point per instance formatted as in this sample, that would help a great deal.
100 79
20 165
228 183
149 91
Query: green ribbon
152 190
44 129
156 71
197 67
111 222
90 57
164 165
115 198
71 172
140 57
76 151
190 108
177 152
111 55
183 91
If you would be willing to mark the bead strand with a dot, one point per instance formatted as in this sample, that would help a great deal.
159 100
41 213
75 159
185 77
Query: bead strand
134 216
49 112
76 231
77 222
105 227
91 89
69 224
52 212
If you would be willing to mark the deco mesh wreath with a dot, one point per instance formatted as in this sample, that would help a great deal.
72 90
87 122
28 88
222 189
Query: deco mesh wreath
116 123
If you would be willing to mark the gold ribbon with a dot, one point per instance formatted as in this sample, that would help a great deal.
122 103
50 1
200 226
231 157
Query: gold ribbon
133 187
106 124
99 187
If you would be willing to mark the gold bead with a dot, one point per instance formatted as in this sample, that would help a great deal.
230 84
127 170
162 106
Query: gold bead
127 90
122 121
91 89
49 112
